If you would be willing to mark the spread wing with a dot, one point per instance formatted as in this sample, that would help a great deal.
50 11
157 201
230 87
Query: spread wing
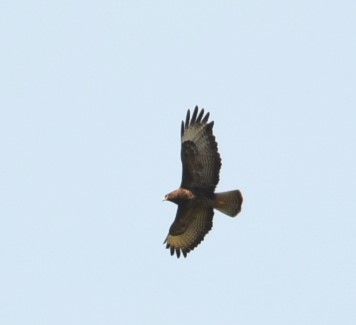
199 153
189 228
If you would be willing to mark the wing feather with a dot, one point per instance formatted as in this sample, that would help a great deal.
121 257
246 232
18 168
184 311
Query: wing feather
200 115
189 229
194 116
206 118
187 118
199 153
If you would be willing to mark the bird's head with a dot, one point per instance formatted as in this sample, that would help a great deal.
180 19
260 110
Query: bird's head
173 196
178 196
167 197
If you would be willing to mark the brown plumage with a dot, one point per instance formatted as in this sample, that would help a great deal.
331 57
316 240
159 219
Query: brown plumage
195 198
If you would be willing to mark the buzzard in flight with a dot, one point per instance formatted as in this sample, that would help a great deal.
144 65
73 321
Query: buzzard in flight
196 198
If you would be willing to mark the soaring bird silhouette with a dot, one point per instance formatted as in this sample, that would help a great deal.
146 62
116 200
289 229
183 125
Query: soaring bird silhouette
195 197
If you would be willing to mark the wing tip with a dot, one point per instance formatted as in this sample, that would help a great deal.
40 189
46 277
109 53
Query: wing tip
195 118
178 251
187 118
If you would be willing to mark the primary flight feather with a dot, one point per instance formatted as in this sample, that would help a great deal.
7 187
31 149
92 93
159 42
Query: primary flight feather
195 197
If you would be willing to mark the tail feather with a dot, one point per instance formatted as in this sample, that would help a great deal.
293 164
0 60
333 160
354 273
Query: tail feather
228 202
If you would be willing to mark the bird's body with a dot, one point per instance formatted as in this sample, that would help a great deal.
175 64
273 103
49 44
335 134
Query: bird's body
195 197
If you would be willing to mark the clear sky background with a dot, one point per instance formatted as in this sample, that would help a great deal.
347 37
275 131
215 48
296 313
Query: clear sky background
92 94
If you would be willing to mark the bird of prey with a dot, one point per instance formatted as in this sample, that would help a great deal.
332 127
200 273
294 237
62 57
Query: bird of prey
196 197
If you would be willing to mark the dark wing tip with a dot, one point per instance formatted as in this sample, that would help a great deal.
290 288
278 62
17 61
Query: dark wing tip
180 251
200 115
206 118
194 116
211 125
195 119
176 250
187 119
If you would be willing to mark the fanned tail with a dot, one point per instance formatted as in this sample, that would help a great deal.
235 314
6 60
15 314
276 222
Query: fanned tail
228 202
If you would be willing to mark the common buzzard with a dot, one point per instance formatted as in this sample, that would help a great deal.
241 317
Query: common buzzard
196 198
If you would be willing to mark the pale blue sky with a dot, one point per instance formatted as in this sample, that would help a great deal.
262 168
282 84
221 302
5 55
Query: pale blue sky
92 96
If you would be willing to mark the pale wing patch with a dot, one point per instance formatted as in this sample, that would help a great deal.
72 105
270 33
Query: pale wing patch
193 133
